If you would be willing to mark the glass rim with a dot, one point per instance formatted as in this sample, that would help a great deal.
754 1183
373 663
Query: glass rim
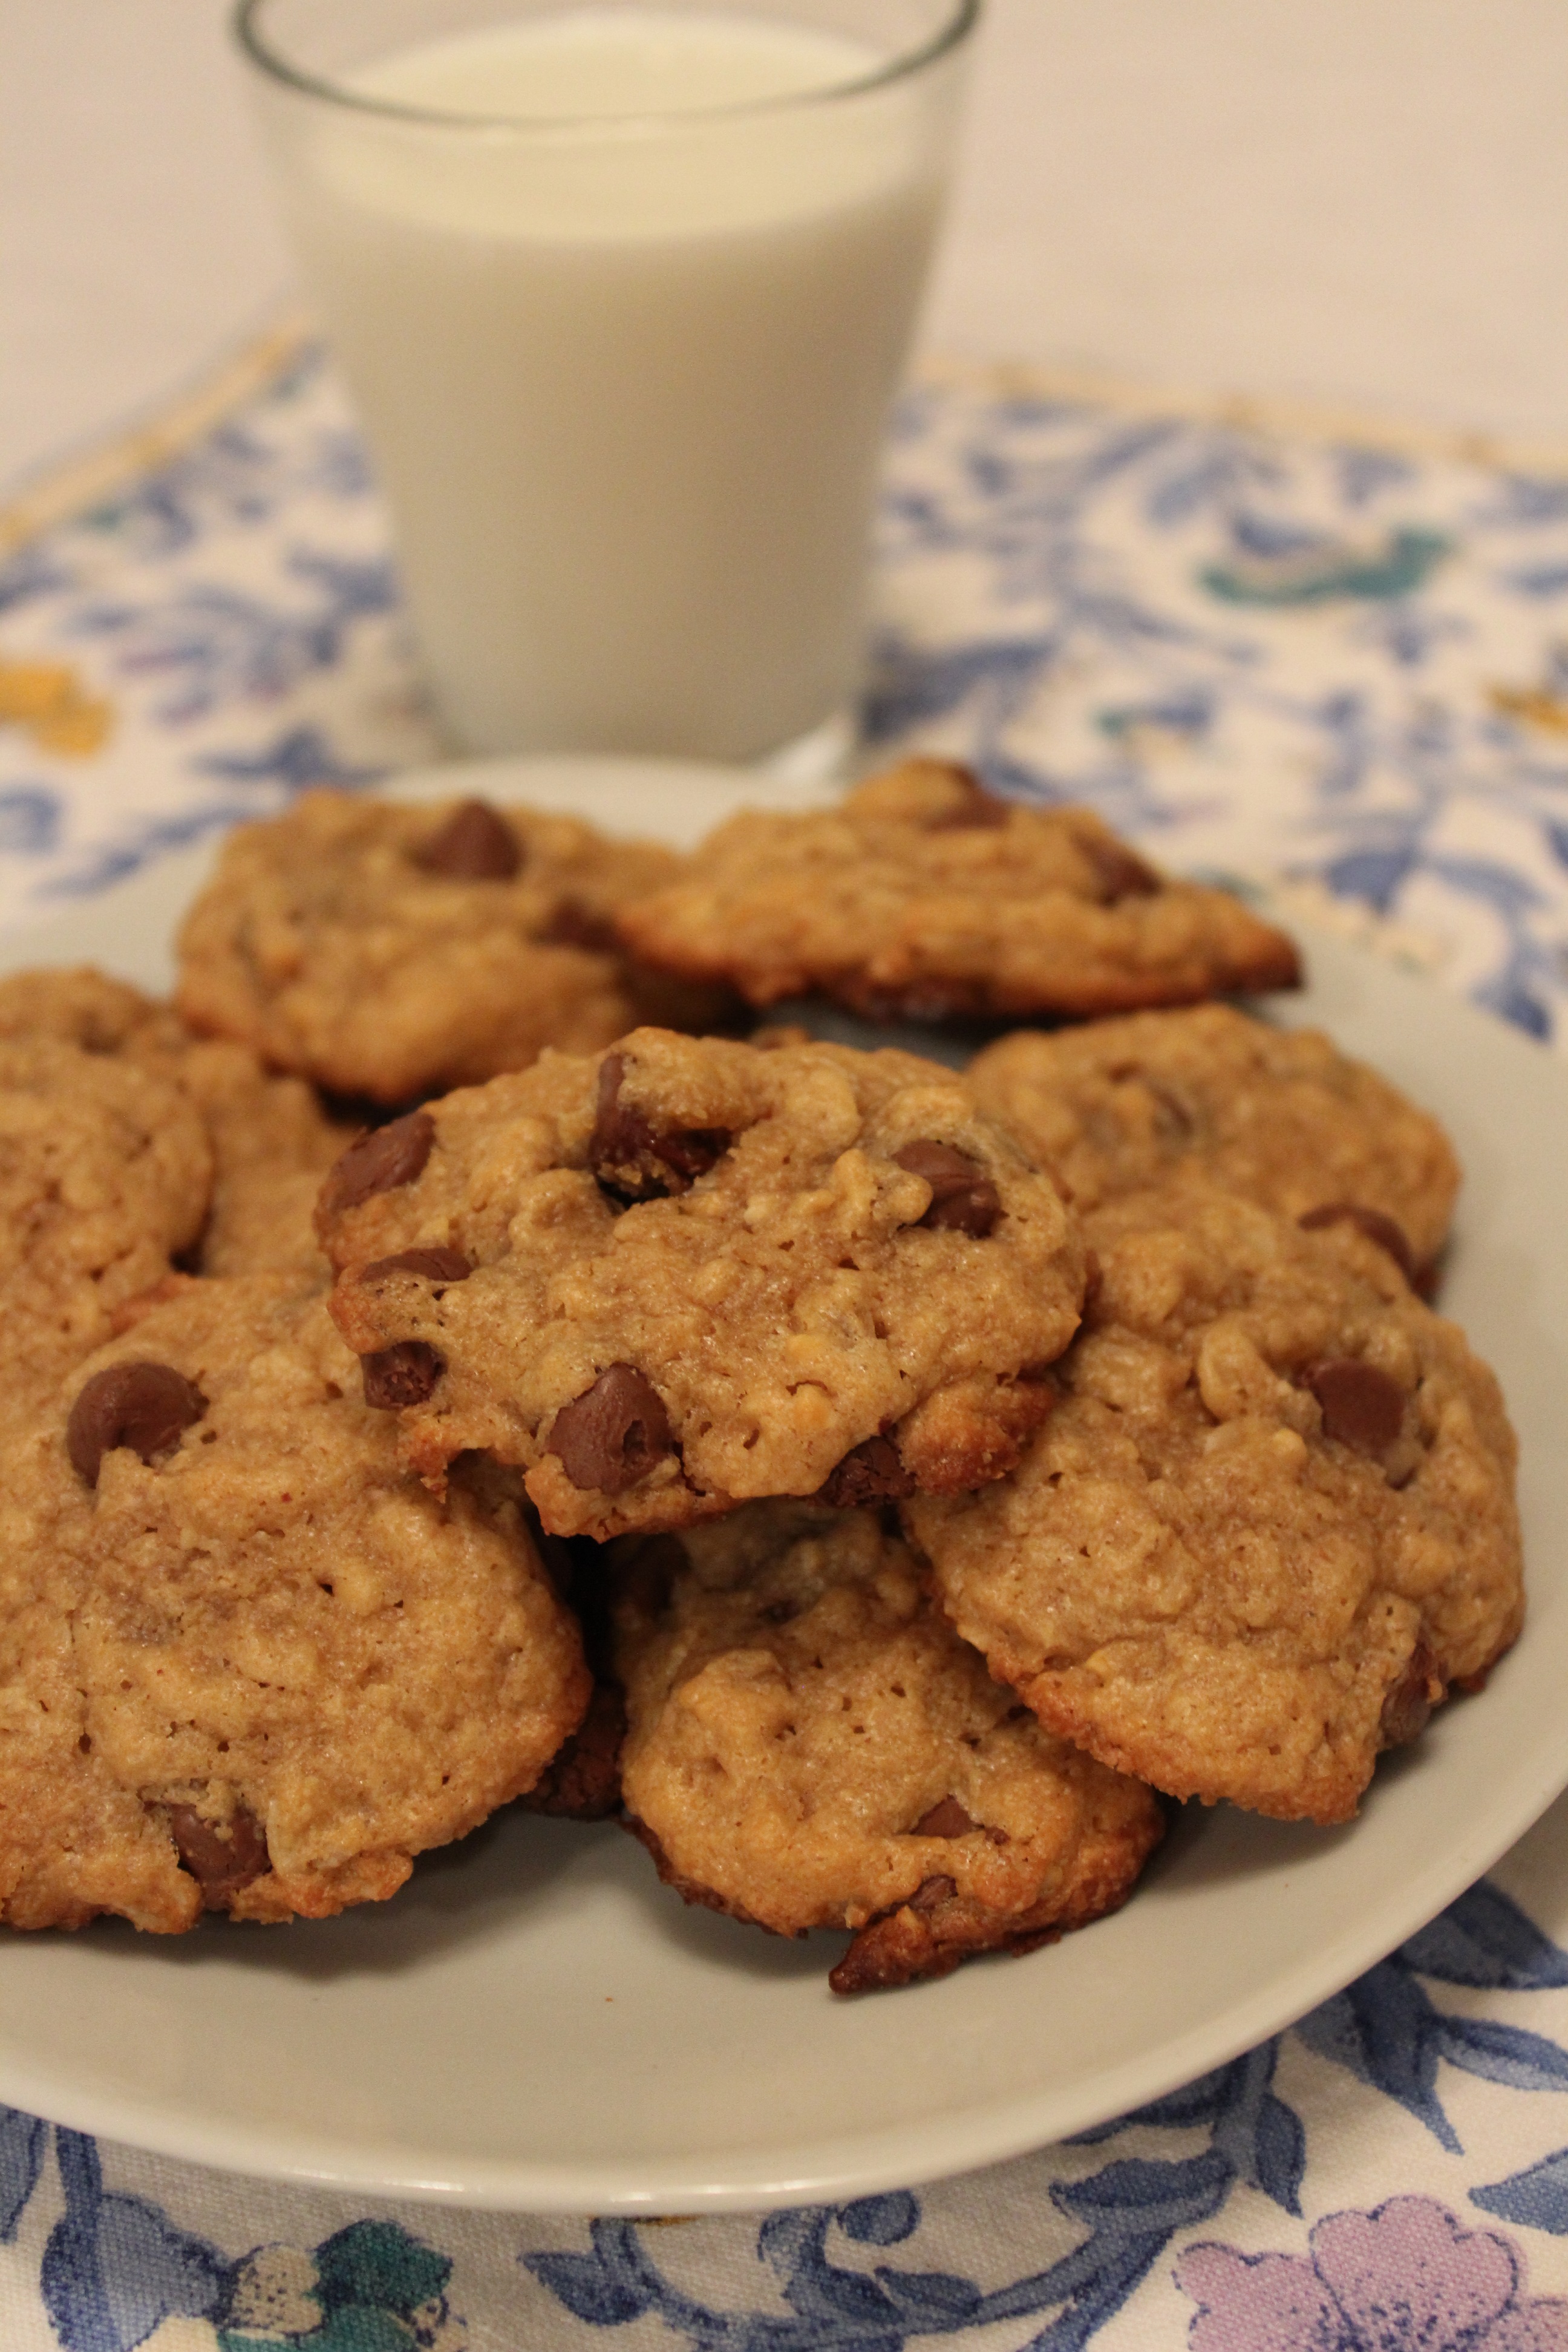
961 18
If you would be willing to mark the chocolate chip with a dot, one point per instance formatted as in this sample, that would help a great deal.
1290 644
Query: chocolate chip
963 1199
1387 1234
632 1160
1408 1703
379 1162
436 1264
869 1473
573 925
1361 1406
401 1375
1120 871
475 845
931 1893
613 1434
141 1405
223 1860
946 1819
978 811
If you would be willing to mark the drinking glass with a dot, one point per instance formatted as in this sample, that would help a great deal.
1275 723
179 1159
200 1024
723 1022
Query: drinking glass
623 294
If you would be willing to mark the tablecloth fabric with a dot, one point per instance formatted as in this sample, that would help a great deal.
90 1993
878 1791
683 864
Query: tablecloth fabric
1335 667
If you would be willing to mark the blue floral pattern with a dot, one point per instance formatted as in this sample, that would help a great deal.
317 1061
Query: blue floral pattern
1337 670
115 2269
1339 667
1315 661
238 609
873 2275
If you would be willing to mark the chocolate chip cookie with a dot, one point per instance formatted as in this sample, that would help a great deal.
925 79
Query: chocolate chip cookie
393 950
81 1006
687 1273
272 1143
810 1745
105 1174
924 896
271 1139
246 1663
1279 1115
1269 1524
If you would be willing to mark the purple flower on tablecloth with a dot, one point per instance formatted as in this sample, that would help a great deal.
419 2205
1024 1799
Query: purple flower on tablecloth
1403 2278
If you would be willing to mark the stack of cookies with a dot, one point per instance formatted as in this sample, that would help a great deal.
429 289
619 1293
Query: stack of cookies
452 1364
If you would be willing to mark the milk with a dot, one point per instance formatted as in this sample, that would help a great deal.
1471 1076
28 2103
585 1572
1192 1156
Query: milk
624 329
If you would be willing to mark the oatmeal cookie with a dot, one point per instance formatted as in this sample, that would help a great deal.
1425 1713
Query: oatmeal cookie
271 1139
105 1174
393 950
924 896
1269 1524
246 1663
1279 1115
689 1272
810 1745
272 1143
81 1006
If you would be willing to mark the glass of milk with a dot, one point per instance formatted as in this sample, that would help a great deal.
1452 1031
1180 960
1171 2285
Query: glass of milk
623 291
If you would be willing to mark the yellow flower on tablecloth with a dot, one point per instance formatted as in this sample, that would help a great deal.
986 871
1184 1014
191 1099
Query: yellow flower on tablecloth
50 700
1536 706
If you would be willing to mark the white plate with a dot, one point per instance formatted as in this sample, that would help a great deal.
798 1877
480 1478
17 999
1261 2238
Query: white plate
534 2023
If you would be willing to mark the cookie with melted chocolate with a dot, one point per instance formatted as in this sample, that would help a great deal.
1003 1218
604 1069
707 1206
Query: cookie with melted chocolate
247 1662
699 1272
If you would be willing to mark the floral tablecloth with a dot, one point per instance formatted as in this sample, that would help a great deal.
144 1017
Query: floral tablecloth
1338 664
